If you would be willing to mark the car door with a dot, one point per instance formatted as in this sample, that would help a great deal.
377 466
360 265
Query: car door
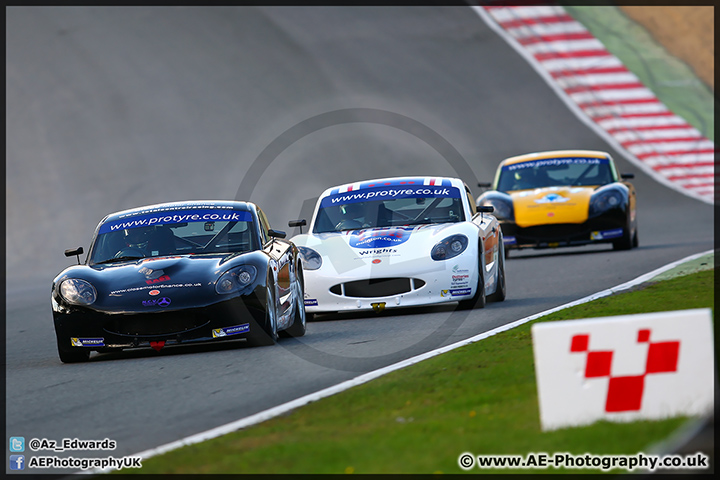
490 237
282 265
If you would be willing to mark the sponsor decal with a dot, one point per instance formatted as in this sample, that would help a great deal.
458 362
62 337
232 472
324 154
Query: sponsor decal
87 342
454 292
552 198
460 280
547 162
160 302
145 219
460 292
164 278
457 270
311 302
605 234
376 261
385 192
152 289
377 252
379 237
227 331
509 241
154 292
378 306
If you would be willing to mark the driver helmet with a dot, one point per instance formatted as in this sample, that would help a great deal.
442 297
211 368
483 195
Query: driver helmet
353 210
138 237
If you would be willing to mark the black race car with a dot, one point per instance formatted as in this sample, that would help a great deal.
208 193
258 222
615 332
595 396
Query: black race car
175 273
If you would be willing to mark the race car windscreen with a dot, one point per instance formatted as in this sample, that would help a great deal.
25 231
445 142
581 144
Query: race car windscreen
177 232
387 207
550 172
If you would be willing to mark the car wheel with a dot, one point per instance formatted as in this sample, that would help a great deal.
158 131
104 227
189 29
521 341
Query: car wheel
501 288
478 300
299 325
73 356
625 242
267 334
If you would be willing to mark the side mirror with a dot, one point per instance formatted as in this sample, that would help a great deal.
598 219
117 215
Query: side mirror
77 251
276 233
627 176
484 185
485 209
297 223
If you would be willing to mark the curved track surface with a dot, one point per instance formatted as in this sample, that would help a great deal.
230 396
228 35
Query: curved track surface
111 108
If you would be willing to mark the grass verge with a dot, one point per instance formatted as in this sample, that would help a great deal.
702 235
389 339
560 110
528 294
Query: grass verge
480 398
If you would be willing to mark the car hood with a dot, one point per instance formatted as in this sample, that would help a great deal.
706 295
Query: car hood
551 205
388 251
156 283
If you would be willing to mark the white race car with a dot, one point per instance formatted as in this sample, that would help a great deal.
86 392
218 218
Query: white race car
399 242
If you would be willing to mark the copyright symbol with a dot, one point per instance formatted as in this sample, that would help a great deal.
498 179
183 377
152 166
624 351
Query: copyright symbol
466 461
34 444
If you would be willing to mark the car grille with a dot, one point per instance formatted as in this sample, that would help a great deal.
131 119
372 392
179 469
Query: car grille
165 323
377 287
549 233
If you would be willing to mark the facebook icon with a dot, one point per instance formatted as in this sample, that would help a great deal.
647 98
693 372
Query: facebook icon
17 462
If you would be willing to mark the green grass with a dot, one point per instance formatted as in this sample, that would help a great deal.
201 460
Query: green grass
480 398
671 80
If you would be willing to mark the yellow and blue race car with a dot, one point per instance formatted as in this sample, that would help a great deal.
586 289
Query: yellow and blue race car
562 198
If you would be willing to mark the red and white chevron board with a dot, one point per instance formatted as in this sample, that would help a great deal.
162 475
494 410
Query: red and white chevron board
597 86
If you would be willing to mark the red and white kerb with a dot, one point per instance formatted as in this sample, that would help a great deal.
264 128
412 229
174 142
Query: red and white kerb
667 146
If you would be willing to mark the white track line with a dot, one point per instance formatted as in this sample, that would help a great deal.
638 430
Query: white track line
313 397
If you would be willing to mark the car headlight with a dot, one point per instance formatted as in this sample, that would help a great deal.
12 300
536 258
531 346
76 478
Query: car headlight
311 259
450 247
78 292
236 279
503 209
604 201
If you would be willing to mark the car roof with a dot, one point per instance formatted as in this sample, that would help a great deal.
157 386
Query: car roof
554 154
394 181
174 206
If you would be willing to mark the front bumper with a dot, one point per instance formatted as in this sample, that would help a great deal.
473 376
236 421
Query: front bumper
95 330
606 228
368 288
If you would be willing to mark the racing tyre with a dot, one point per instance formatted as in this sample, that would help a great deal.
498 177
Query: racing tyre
299 325
625 242
73 356
501 288
478 300
267 335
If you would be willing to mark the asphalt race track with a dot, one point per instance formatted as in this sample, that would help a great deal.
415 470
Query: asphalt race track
112 108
